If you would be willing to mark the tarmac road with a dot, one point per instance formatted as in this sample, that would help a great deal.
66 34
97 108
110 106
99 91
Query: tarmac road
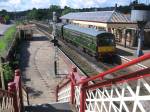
3 28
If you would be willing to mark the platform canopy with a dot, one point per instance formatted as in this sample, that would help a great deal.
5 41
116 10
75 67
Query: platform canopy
108 18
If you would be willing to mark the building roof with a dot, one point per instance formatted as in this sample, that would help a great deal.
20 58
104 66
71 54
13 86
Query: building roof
88 31
98 16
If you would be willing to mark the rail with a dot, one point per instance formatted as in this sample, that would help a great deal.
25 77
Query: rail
11 99
126 93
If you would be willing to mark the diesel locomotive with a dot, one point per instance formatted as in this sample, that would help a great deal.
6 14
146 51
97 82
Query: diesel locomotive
98 43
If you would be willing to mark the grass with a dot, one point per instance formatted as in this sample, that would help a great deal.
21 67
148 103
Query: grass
6 40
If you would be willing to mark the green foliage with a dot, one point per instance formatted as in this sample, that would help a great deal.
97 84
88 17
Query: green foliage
124 9
32 14
6 40
55 8
3 12
8 73
43 14
66 10
6 17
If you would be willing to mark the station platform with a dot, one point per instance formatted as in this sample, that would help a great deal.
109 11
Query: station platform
37 66
131 54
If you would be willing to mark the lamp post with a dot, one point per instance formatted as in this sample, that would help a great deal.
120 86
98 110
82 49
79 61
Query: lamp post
55 43
1 74
141 26
141 14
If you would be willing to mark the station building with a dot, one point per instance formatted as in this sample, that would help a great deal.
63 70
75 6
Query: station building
119 24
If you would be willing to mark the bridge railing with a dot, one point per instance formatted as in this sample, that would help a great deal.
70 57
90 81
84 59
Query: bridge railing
11 99
6 101
125 93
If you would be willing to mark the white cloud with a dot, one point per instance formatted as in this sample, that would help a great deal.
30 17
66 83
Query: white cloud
81 3
29 4
91 3
40 3
14 2
63 3
10 5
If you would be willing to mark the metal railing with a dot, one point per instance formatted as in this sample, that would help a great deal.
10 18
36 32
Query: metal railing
25 96
11 100
6 101
126 93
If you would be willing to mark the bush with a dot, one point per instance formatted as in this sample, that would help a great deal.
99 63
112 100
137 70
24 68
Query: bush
8 73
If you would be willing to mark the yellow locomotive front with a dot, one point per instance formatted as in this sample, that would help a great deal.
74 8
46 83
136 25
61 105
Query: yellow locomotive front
106 46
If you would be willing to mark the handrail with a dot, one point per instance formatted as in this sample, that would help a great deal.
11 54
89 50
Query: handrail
24 89
64 84
127 60
12 98
101 75
6 92
6 101
81 92
120 79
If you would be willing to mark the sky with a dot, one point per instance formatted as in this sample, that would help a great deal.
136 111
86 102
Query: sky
20 5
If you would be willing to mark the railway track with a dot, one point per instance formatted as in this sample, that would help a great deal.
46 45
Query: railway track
84 66
86 63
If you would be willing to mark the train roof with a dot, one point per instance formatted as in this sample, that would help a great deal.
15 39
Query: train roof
88 31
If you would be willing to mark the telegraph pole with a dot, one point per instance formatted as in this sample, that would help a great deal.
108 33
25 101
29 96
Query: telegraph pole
55 44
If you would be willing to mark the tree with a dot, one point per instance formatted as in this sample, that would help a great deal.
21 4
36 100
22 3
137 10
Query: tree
32 14
55 8
66 10
7 19
3 12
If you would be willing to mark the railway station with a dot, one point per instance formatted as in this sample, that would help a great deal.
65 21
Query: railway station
119 24
76 61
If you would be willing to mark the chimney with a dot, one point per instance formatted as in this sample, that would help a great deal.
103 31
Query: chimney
115 7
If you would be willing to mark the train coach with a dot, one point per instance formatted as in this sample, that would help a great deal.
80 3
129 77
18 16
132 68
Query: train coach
99 44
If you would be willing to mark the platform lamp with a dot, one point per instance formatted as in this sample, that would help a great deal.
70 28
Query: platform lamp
55 41
1 73
140 14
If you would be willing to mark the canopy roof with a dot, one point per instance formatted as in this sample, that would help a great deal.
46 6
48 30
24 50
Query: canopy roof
98 16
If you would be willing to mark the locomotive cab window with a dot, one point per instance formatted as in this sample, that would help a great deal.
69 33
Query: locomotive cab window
106 41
